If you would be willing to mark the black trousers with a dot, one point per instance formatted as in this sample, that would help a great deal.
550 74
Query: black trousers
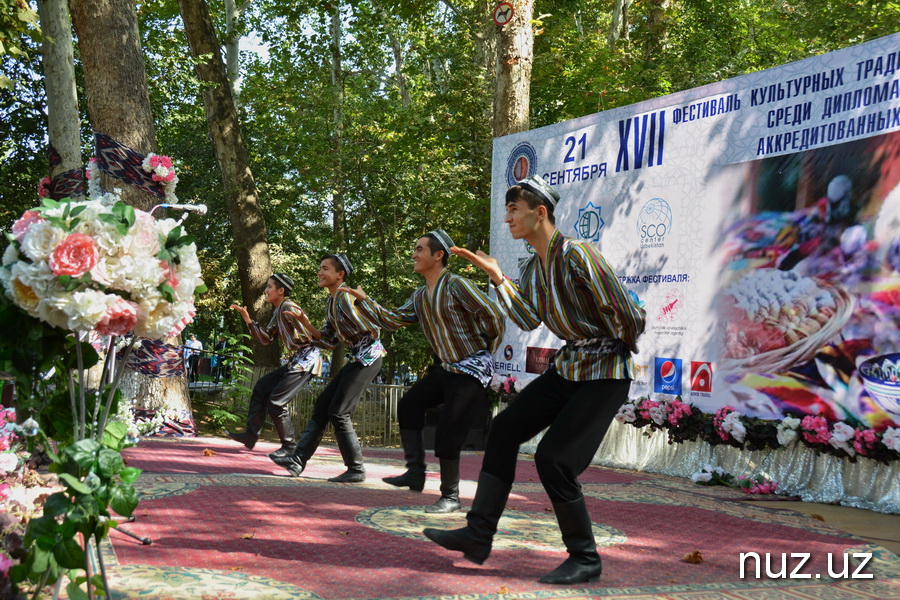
273 392
577 415
460 395
340 397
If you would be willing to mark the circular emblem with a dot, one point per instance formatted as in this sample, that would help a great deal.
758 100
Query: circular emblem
589 225
667 371
508 352
522 163
654 221
503 14
517 528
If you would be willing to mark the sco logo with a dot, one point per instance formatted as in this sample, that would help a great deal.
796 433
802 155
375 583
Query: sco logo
522 163
654 222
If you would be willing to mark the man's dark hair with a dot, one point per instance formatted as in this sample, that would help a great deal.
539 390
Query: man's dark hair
435 246
517 192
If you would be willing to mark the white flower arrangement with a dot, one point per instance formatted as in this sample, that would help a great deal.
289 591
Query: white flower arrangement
733 425
85 265
787 430
891 438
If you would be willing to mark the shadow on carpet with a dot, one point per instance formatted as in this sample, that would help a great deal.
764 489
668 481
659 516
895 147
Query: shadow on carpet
228 523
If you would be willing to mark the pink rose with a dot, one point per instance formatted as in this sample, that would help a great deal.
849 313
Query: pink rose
170 176
170 276
120 318
75 255
20 228
165 161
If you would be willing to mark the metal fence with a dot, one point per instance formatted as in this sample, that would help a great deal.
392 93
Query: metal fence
375 419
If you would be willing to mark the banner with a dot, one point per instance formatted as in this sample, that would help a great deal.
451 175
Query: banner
757 219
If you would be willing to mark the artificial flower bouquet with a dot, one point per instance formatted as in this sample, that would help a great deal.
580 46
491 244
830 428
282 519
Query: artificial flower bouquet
102 265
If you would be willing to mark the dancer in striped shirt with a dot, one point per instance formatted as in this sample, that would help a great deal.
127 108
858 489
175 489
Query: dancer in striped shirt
273 392
463 327
568 286
344 323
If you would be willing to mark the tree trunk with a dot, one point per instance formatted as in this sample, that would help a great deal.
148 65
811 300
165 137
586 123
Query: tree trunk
247 222
515 53
115 82
657 29
337 205
618 28
399 76
63 120
233 10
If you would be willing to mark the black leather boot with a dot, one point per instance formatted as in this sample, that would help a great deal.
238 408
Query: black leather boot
474 540
285 429
348 444
449 500
249 436
310 439
583 564
414 452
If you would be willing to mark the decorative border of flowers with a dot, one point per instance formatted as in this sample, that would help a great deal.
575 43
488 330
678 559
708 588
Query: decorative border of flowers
685 422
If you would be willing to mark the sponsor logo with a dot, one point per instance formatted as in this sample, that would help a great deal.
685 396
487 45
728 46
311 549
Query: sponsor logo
701 377
537 360
522 163
667 376
508 352
654 222
671 306
639 377
589 222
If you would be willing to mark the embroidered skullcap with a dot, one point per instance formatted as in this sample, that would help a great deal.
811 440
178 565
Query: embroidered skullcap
285 281
540 188
443 239
342 260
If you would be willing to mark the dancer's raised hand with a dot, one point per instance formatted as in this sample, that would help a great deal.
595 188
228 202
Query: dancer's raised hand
244 314
485 262
357 293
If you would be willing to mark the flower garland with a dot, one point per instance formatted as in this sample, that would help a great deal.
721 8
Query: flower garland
85 265
160 166
685 422
44 187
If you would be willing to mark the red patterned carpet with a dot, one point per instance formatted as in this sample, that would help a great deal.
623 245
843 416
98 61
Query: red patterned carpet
228 523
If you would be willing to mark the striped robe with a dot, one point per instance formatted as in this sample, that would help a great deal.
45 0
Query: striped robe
582 301
285 325
345 323
457 318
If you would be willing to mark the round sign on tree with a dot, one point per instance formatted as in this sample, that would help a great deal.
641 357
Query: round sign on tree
503 13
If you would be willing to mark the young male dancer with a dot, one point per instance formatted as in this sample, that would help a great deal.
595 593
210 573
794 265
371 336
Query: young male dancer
569 287
274 391
464 327
343 323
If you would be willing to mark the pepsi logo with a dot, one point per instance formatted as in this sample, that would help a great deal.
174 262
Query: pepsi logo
667 371
667 376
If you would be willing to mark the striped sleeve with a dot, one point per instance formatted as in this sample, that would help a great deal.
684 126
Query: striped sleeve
328 339
387 319
478 303
590 269
263 336
517 306
295 330
351 313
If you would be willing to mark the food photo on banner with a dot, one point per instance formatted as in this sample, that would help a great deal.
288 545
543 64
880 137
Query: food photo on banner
757 220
